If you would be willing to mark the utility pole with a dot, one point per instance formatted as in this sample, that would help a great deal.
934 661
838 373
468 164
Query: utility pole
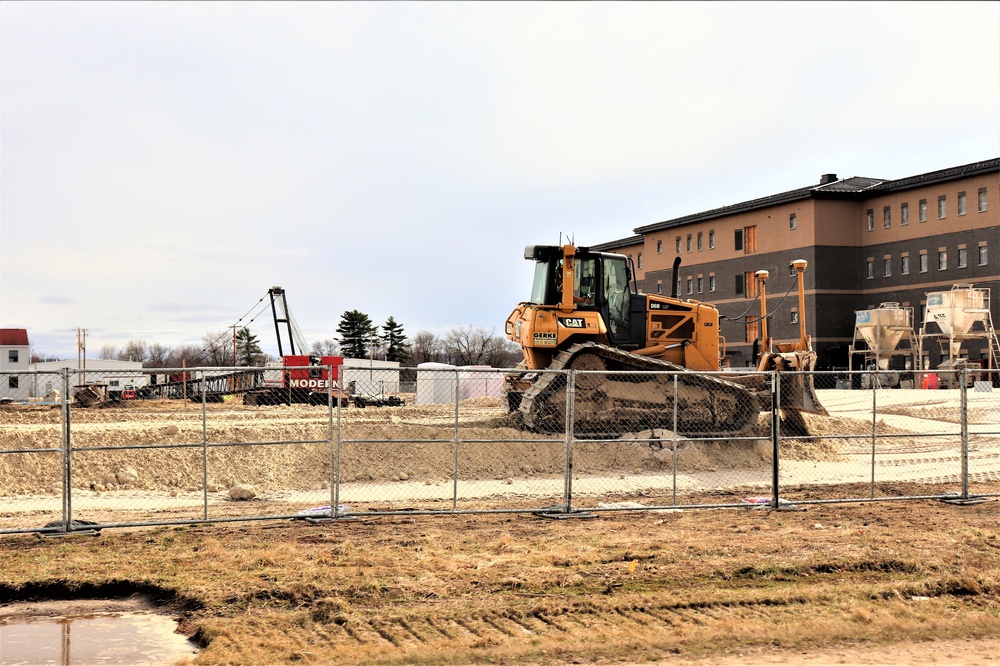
81 348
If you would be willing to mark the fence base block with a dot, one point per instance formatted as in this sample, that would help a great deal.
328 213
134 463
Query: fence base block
966 501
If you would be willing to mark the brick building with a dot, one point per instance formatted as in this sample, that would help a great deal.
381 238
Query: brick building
867 241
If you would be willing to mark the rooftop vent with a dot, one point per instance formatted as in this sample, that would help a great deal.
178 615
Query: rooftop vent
827 178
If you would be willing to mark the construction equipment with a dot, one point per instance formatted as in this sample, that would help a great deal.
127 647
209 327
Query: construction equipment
586 313
952 318
306 378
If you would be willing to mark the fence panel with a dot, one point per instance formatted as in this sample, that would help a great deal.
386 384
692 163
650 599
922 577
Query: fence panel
175 446
31 450
663 438
876 442
983 410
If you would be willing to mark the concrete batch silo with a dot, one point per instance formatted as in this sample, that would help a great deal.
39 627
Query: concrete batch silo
952 318
880 334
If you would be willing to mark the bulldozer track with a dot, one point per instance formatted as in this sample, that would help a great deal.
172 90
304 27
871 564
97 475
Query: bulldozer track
610 405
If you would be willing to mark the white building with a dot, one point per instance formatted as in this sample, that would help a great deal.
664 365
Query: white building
115 375
15 360
369 377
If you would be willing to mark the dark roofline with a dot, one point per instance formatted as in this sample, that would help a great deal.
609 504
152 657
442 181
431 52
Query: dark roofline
861 187
943 175
764 202
621 242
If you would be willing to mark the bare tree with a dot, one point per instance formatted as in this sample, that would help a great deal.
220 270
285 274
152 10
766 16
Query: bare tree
328 347
427 348
183 356
217 349
108 352
135 350
478 346
157 355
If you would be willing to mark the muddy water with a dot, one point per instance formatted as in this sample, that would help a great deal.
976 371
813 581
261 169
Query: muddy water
94 638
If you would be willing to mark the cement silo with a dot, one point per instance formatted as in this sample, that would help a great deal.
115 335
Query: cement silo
879 335
952 318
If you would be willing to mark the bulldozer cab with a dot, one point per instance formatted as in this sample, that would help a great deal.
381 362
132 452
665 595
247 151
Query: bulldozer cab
596 282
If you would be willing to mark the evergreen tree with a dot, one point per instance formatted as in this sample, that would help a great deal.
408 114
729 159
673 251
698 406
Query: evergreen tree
396 348
356 333
247 348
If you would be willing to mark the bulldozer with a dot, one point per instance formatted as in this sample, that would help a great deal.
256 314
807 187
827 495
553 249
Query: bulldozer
586 313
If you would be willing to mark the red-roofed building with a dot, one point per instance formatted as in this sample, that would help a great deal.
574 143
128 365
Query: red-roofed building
15 357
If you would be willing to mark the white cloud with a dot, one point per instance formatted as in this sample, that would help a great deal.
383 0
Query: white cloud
396 157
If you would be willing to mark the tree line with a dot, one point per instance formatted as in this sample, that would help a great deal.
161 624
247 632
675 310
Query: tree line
356 337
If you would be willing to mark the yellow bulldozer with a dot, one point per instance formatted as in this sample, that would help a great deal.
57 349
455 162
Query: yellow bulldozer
586 313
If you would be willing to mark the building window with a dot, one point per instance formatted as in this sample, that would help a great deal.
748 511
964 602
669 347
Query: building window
711 238
711 280
904 265
740 281
678 239
638 263
793 317
963 257
791 221
659 287
750 282
659 247
982 199
700 244
922 210
904 214
12 382
689 242
12 355
701 284
870 219
983 255
791 269
690 285
886 217
942 260
923 262
871 269
749 240
961 203
942 207
738 240
887 267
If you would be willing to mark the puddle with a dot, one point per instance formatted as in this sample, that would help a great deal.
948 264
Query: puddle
103 637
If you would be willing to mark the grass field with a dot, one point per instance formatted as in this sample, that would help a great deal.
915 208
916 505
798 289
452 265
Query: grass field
716 586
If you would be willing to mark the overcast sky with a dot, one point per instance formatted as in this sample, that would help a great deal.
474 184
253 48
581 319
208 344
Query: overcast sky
163 164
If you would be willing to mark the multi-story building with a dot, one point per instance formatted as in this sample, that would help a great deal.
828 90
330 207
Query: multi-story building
867 241
15 352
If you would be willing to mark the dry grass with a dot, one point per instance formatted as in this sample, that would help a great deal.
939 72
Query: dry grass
521 589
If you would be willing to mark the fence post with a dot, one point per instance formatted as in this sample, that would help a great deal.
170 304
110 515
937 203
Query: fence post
570 395
67 457
874 432
963 391
204 445
673 452
775 434
454 487
334 444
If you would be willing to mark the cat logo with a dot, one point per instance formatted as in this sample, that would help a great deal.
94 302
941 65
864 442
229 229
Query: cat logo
572 322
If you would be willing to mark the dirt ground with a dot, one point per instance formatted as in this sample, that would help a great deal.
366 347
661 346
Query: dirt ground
892 583
883 583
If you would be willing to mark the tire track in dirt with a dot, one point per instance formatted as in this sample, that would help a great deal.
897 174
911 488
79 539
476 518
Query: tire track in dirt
406 634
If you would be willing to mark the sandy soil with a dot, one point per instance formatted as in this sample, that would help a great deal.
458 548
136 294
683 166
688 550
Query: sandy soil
408 455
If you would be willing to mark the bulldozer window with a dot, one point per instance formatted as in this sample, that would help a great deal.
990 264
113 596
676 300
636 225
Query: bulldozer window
617 297
585 281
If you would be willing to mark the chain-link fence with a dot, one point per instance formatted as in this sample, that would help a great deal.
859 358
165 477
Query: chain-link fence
105 448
